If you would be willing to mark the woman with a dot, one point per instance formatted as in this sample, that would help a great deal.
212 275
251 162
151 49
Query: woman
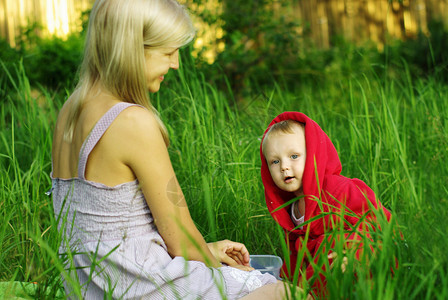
126 226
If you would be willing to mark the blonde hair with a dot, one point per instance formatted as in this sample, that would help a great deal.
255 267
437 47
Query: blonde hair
114 53
285 126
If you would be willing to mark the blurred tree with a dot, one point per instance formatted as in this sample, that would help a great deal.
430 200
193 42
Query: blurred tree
260 41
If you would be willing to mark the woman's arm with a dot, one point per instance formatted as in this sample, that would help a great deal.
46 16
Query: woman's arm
145 152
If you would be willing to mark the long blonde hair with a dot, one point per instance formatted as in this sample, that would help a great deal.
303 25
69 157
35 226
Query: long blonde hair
117 34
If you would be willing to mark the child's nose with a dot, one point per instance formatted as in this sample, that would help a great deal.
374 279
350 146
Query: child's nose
285 166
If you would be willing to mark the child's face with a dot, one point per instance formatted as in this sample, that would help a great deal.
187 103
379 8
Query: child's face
285 155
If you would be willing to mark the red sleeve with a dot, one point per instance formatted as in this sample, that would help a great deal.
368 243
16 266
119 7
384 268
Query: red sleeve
362 211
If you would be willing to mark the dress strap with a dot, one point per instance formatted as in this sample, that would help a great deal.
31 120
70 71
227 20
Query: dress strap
97 132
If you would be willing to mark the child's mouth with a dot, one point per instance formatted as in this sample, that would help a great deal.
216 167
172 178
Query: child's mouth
289 179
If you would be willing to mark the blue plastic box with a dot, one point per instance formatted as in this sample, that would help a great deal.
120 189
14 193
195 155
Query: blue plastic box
267 264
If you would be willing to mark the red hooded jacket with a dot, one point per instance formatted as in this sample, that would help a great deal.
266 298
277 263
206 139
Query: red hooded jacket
349 198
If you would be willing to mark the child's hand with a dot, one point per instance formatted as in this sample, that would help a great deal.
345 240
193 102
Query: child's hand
231 253
334 255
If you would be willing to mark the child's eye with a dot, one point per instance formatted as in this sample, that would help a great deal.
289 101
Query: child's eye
274 162
294 156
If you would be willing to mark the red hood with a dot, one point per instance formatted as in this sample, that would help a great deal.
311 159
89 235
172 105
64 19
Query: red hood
322 163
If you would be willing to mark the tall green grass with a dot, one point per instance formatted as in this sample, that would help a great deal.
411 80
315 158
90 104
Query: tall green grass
390 133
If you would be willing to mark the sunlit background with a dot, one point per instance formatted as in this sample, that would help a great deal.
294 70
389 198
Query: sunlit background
56 17
357 20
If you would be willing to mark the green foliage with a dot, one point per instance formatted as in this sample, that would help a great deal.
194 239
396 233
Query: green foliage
54 62
263 45
28 241
388 125
50 62
28 37
8 54
259 42
8 59
425 55
390 133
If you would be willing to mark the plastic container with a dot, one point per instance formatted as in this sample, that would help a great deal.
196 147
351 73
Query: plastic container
267 264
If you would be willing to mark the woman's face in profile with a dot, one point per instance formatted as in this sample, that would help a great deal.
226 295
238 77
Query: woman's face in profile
158 63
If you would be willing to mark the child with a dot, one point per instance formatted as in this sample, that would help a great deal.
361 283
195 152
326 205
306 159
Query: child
299 161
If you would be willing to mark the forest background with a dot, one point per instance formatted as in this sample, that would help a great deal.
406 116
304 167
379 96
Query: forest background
382 100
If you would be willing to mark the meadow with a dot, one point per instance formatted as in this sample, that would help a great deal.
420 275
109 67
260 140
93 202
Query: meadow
390 131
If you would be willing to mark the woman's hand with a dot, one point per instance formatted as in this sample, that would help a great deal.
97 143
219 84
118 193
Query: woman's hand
231 253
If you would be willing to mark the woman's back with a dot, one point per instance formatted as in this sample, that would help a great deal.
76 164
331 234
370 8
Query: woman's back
99 222
109 226
104 163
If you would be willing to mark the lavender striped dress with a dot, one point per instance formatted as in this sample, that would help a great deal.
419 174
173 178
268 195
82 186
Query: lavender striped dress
116 248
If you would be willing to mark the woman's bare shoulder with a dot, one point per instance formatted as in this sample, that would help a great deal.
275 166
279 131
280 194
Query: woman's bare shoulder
135 129
137 119
138 141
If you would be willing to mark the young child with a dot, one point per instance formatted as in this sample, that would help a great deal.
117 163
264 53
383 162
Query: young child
299 161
